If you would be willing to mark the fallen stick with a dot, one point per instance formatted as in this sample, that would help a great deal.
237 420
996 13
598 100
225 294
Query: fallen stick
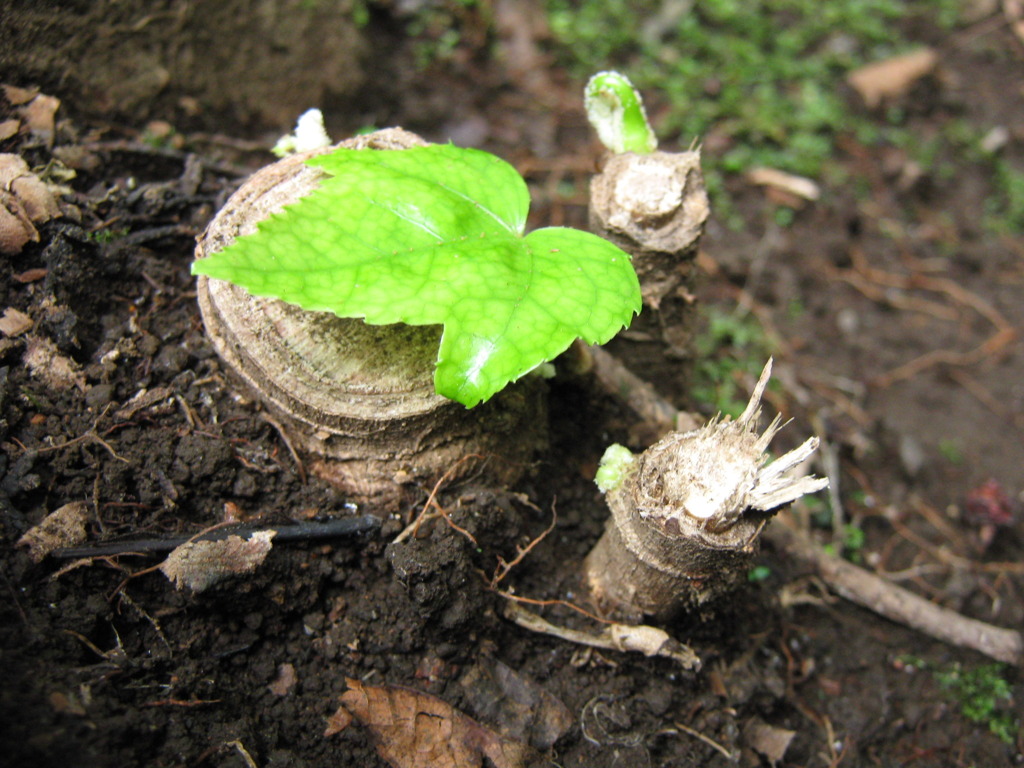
880 595
897 604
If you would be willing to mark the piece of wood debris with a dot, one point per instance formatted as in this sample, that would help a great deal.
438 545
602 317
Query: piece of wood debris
898 604
14 322
884 81
142 399
45 362
797 186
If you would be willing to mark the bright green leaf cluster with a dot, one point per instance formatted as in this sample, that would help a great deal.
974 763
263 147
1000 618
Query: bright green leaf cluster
434 236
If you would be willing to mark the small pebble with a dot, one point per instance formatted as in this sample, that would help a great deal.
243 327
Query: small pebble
98 396
169 362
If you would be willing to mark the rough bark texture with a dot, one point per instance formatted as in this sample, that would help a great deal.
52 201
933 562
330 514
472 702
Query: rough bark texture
250 60
654 207
687 512
658 565
358 400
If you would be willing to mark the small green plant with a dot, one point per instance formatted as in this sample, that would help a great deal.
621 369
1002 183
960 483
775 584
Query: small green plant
104 236
759 573
434 236
764 77
983 695
853 541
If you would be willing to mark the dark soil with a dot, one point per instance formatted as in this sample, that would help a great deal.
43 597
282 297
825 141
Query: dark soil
105 664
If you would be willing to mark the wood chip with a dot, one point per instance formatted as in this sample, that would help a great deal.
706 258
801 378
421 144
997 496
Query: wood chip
9 128
14 322
799 186
45 362
31 275
884 81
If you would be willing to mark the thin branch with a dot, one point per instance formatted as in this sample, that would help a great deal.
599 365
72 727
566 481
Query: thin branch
895 603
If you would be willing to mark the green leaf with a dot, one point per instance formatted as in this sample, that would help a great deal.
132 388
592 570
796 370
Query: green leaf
434 235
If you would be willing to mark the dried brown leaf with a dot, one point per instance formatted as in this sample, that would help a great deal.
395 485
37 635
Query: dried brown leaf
201 564
338 722
415 730
31 193
16 227
35 196
65 527
887 80
12 167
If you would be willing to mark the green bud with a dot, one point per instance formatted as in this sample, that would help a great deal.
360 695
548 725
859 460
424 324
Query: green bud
614 467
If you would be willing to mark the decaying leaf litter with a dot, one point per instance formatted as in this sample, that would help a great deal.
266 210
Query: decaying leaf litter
642 730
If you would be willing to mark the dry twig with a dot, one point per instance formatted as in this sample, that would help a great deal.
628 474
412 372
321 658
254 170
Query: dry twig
895 603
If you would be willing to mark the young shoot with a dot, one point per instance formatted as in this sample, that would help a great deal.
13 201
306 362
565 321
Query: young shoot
616 112
434 235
